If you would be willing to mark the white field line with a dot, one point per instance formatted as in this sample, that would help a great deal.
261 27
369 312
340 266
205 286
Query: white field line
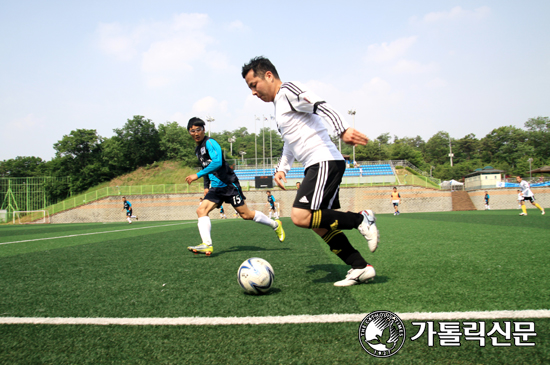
92 233
298 319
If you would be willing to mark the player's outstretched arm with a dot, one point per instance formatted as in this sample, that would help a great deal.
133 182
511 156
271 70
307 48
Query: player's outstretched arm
353 137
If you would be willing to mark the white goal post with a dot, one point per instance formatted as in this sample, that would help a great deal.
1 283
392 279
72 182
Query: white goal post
31 216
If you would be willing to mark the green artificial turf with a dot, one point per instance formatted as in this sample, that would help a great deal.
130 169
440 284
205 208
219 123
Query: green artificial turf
426 262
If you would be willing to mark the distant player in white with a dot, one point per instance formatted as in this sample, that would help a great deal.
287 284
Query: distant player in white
520 199
528 195
301 116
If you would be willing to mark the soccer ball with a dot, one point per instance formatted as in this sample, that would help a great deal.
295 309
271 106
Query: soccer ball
255 276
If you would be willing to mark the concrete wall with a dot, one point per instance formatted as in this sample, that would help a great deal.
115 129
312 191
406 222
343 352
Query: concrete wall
507 198
183 206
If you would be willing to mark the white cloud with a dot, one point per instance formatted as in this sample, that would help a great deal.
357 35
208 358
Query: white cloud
389 51
167 51
237 25
26 123
413 67
186 22
211 106
113 41
457 13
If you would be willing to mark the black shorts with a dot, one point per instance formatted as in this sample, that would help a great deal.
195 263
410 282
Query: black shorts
321 186
529 199
230 194
272 207
129 213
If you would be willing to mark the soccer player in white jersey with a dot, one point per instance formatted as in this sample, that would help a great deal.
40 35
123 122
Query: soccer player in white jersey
301 117
528 195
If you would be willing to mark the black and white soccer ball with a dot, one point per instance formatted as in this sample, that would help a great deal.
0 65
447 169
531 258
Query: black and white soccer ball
255 276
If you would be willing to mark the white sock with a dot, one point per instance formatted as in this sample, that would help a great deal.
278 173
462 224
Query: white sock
205 225
261 218
269 214
129 220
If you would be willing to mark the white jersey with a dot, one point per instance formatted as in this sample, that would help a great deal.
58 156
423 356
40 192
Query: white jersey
525 189
301 117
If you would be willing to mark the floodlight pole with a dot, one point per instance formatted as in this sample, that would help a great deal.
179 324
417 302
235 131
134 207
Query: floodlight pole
242 153
231 140
270 142
209 119
256 142
451 155
263 135
352 113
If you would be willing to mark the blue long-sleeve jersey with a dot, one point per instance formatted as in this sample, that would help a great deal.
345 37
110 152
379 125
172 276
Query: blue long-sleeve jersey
215 170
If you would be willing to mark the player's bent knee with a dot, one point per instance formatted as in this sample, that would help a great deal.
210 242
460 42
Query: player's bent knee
301 217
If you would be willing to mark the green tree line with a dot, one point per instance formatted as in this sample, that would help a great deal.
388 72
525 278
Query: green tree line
89 159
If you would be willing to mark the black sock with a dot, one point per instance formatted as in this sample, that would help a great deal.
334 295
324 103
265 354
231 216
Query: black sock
339 244
332 219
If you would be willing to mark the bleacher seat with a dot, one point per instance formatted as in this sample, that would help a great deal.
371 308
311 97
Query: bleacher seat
298 172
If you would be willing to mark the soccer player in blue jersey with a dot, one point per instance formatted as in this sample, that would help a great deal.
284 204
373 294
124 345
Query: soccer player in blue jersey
272 209
221 185
128 207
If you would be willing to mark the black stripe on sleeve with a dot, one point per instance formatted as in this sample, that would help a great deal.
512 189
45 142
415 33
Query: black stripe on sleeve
316 105
334 118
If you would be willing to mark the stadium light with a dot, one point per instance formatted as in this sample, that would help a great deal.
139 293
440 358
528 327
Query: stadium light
209 119
242 153
256 142
231 140
270 141
263 135
352 113
451 155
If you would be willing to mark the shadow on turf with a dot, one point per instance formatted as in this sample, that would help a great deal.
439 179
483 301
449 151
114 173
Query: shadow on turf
337 272
248 248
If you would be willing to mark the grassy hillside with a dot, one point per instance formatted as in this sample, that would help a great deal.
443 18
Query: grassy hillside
166 172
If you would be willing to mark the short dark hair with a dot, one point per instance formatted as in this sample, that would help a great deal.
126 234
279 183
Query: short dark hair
260 65
195 122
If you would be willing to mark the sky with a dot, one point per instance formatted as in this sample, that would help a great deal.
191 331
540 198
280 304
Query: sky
408 68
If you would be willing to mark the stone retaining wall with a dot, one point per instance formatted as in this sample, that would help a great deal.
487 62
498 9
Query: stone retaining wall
162 207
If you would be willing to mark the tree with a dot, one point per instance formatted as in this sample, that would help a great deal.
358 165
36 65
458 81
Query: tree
175 143
504 147
538 136
139 142
23 167
467 148
404 151
79 156
436 150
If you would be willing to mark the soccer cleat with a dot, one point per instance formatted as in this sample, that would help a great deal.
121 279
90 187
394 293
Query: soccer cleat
202 248
522 213
543 212
280 231
357 276
137 219
369 230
